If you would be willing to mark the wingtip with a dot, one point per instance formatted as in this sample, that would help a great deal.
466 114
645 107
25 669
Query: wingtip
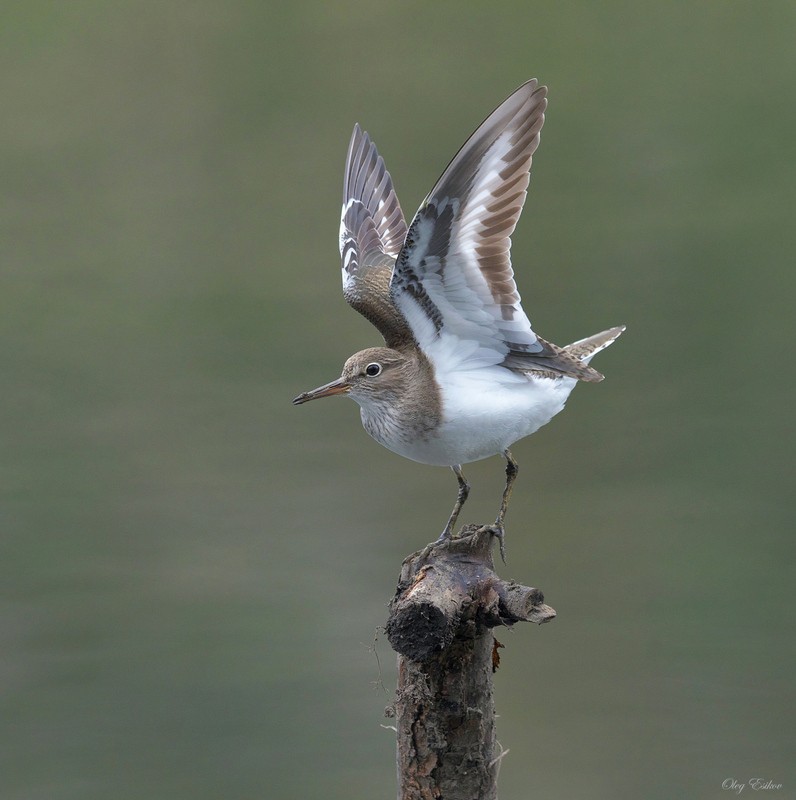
612 334
592 376
531 83
356 135
616 332
534 87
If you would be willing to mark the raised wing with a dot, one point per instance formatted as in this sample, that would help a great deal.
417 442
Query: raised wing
453 280
372 232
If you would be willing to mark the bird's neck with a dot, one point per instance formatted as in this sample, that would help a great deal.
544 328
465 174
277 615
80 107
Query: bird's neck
412 410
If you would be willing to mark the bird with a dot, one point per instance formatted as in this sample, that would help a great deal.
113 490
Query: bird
462 375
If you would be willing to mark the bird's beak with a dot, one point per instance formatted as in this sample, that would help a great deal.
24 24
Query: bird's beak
340 386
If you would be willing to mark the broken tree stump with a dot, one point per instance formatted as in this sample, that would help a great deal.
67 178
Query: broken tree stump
448 600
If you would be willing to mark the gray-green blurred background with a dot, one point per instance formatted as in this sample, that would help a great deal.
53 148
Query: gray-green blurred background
193 570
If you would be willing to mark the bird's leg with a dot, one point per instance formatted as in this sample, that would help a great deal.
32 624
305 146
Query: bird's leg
512 468
464 490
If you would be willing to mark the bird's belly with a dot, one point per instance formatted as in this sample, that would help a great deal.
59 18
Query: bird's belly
482 420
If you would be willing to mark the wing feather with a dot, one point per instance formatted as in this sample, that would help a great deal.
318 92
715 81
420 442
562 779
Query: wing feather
372 232
457 250
453 280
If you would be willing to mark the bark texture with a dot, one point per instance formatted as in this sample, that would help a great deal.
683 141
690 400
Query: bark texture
448 600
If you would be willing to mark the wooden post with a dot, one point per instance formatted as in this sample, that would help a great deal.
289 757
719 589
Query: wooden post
447 602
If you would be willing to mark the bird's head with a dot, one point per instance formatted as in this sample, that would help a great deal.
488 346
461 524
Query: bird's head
369 376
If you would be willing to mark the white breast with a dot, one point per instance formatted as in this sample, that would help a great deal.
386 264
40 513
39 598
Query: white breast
484 412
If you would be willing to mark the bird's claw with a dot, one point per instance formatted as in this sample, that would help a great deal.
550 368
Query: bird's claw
423 554
446 534
500 533
496 529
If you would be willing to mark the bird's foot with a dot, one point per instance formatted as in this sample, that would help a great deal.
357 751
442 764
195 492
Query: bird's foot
426 551
446 534
499 532
443 537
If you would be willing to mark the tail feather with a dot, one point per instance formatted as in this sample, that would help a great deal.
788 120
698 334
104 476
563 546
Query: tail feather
585 349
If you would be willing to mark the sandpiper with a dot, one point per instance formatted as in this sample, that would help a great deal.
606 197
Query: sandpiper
463 376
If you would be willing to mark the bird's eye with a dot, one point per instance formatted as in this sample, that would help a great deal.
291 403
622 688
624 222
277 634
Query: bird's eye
373 370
